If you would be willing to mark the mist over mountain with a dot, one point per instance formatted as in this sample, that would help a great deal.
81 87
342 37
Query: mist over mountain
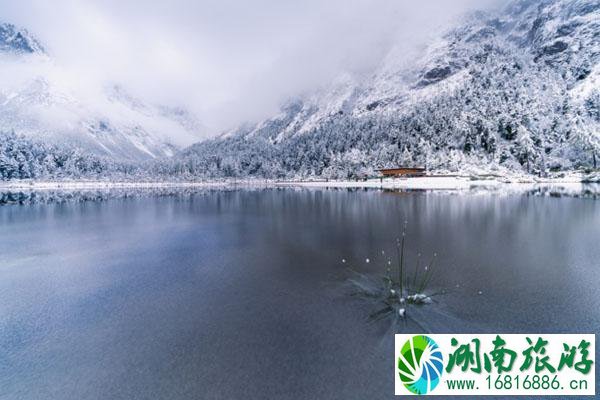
38 100
515 90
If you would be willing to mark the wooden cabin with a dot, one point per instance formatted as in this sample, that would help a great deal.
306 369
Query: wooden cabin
403 172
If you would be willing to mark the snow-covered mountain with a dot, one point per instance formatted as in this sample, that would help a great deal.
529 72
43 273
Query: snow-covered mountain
17 41
36 101
517 89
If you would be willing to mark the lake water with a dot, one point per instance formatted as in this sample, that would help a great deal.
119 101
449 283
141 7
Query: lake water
239 293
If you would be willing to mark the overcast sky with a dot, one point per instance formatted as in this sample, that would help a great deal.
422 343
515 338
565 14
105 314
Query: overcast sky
226 60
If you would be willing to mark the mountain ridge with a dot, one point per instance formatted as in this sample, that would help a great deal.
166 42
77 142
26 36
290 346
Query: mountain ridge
114 124
515 90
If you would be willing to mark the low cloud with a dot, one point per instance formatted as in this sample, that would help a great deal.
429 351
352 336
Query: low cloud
227 61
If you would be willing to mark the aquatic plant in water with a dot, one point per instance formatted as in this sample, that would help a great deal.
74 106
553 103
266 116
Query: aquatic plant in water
398 289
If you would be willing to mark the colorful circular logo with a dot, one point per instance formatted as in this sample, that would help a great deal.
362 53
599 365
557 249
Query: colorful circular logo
420 364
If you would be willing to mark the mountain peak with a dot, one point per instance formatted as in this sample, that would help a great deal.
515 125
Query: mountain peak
15 40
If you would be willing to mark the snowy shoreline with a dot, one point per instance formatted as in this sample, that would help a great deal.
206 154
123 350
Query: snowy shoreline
448 183
571 182
82 185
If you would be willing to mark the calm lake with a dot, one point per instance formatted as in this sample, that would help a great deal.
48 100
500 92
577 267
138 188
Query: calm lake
240 293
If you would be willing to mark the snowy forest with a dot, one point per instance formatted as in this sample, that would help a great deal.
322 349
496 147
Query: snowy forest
25 158
516 91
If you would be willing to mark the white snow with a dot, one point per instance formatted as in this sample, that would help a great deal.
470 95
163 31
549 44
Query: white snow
567 184
572 182
82 184
419 298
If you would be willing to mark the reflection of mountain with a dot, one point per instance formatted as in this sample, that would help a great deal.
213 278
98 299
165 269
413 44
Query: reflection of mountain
113 124
514 90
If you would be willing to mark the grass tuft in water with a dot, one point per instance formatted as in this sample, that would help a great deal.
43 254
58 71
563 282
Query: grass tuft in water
397 290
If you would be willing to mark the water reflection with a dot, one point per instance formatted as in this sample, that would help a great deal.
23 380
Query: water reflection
229 294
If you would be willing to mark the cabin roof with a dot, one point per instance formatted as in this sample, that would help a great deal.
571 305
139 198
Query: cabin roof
402 169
